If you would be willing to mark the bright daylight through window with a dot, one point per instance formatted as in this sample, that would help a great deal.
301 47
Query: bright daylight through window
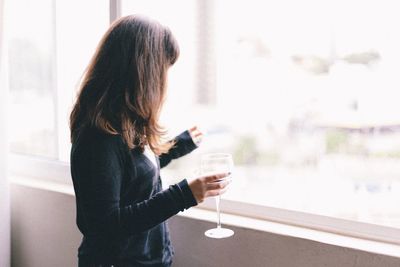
32 75
304 94
46 60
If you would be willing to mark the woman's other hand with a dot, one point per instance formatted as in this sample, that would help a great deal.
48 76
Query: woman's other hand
209 186
196 135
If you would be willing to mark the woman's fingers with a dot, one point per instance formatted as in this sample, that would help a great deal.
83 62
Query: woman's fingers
196 135
207 186
218 185
214 193
195 132
215 177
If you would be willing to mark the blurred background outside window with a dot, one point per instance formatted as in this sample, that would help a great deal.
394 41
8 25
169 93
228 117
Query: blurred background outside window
50 43
303 93
32 77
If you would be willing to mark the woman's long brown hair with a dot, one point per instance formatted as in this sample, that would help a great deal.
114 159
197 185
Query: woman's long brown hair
123 88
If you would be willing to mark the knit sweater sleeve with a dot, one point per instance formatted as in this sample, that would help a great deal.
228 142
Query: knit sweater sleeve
97 173
184 144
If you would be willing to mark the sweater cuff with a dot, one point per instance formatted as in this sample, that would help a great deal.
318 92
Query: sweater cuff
187 194
190 144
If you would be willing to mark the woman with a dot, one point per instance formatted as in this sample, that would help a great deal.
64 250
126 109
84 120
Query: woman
117 150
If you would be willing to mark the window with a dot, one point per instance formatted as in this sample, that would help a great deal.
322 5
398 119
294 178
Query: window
32 77
302 93
316 84
47 56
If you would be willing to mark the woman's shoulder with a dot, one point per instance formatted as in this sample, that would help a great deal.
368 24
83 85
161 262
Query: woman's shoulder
98 140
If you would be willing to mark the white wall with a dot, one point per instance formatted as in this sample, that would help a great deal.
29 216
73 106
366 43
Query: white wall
4 186
43 231
250 248
44 234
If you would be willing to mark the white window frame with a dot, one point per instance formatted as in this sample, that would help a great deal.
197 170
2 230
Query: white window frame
58 171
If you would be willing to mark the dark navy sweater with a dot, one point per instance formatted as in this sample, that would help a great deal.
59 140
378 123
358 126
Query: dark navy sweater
121 207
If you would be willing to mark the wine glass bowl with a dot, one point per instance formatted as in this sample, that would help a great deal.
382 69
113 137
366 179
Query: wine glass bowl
217 163
213 164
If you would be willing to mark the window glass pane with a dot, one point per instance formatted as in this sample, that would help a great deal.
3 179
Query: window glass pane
47 57
303 93
309 97
31 46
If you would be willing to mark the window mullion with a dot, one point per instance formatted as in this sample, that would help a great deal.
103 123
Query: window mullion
115 10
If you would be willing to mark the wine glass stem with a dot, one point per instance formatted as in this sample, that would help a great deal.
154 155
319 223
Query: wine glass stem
218 200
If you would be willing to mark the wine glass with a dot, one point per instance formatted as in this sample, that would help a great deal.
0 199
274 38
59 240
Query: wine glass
212 164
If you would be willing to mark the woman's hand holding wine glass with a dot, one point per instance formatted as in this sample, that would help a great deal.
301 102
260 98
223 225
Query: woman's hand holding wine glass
216 169
209 186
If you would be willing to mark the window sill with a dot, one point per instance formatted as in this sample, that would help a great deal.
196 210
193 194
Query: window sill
376 247
263 225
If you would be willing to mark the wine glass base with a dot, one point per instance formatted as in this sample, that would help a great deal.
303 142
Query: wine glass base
219 233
